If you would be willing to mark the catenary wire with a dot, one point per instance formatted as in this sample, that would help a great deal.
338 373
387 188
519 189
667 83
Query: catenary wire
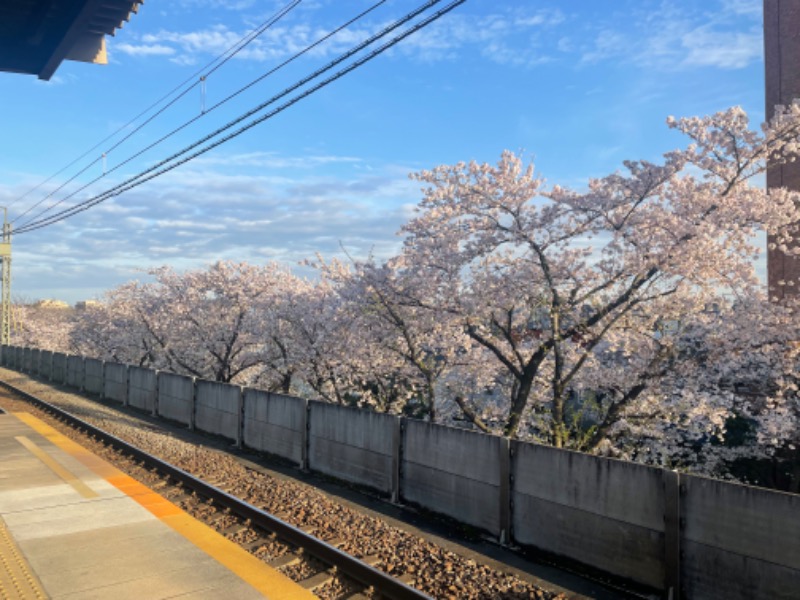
137 181
249 113
220 103
223 58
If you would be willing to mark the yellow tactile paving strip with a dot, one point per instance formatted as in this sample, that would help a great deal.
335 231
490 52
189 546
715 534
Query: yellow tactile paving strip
262 577
17 581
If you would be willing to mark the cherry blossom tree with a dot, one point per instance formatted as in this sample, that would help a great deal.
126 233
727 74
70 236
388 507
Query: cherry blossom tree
205 323
114 328
44 325
549 280
405 350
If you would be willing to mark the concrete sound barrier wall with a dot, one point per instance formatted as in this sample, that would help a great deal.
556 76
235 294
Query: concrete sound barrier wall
36 358
59 368
18 350
115 382
602 512
458 473
176 397
27 360
75 372
9 353
218 409
275 423
739 542
355 445
142 388
93 376
46 364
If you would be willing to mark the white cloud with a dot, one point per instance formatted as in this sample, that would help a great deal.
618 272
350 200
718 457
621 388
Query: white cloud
144 50
508 37
725 50
750 8
668 38
607 44
200 213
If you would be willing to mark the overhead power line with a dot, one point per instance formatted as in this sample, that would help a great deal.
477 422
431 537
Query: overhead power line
164 166
194 80
233 95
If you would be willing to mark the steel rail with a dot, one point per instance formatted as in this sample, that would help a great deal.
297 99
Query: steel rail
386 585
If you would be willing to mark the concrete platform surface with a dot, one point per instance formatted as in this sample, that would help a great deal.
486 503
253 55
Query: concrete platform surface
74 527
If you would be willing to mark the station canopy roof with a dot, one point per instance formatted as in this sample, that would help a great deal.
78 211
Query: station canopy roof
36 35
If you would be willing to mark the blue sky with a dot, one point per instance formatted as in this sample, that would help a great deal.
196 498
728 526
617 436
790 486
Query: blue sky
577 85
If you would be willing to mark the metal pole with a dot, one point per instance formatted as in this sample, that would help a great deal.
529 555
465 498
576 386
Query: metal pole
5 253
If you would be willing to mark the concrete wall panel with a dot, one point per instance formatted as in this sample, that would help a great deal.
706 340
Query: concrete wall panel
617 547
9 356
750 536
18 351
714 574
142 388
27 360
603 512
218 408
176 397
75 372
59 368
93 376
453 472
115 382
46 364
36 359
352 444
626 491
275 423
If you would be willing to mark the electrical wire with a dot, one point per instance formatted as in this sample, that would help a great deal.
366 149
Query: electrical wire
230 97
341 58
203 74
140 179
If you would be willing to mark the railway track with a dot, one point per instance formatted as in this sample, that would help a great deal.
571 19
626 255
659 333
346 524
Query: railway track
315 563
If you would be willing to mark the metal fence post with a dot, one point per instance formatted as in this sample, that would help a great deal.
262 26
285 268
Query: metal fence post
304 428
240 418
193 405
504 450
397 455
672 534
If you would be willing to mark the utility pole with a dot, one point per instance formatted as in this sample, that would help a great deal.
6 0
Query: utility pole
782 86
5 255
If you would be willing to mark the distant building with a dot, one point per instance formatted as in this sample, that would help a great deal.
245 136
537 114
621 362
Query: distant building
84 304
51 304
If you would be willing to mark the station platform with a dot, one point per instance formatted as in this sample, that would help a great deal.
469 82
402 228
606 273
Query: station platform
72 526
